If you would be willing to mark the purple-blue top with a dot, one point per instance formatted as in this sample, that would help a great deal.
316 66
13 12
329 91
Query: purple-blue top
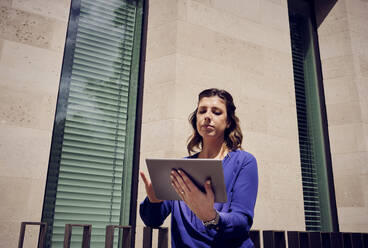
236 215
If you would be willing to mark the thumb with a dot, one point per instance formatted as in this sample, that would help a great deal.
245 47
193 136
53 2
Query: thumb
208 188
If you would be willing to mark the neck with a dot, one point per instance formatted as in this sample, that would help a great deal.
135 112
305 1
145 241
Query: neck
214 149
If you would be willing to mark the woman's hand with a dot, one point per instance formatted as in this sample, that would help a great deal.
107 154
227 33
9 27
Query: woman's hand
202 204
149 189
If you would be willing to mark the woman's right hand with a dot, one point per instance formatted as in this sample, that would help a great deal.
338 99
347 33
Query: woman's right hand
149 189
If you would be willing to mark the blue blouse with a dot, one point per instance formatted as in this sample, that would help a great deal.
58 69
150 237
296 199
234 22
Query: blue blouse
236 215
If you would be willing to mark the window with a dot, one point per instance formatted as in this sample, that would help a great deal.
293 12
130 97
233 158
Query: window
90 168
318 189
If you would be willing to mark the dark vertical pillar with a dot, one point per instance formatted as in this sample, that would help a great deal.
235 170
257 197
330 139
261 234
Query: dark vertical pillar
315 240
365 240
336 240
326 239
126 239
147 237
347 240
42 235
293 239
86 239
255 237
357 240
274 239
163 238
303 240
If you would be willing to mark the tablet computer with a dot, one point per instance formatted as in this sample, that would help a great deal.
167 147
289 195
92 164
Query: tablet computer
199 170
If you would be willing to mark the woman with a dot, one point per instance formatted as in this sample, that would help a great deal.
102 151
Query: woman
197 221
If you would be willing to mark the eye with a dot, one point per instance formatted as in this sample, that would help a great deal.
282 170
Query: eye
217 111
201 111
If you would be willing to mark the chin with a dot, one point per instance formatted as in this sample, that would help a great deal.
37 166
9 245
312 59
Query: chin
209 135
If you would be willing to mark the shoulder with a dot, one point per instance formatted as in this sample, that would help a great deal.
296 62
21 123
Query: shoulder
242 155
243 158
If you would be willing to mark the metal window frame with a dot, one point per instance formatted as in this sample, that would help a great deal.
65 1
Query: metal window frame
316 19
63 93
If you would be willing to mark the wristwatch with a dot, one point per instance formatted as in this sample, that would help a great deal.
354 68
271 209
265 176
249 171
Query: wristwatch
212 223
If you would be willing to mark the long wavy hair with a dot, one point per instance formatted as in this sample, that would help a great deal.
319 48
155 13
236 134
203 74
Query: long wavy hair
233 136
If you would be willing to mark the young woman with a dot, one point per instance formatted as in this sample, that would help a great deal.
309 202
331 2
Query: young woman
197 221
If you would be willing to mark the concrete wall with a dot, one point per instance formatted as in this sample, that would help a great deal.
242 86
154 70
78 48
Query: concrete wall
242 46
32 36
343 38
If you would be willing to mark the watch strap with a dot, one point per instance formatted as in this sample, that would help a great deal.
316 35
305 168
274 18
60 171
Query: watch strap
212 223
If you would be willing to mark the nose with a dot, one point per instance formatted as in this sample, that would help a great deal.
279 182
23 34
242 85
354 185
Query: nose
207 117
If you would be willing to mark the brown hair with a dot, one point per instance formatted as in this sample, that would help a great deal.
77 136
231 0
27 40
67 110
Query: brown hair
233 135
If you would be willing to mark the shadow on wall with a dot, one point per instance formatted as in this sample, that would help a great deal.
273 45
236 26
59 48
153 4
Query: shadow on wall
321 8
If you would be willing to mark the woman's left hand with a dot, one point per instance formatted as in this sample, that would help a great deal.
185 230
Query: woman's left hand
202 204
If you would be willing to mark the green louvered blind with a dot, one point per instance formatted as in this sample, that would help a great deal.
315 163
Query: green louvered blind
90 165
312 153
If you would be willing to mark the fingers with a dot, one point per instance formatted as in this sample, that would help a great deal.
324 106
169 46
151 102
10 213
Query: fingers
179 185
144 178
149 189
208 189
178 190
175 177
181 180
147 183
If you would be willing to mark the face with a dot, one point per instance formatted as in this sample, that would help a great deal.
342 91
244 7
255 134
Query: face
211 117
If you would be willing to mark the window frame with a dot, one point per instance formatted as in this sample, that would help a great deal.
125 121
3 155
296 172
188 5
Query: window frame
307 9
134 110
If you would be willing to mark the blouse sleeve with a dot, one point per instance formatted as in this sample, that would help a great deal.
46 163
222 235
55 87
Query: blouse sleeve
154 214
237 221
